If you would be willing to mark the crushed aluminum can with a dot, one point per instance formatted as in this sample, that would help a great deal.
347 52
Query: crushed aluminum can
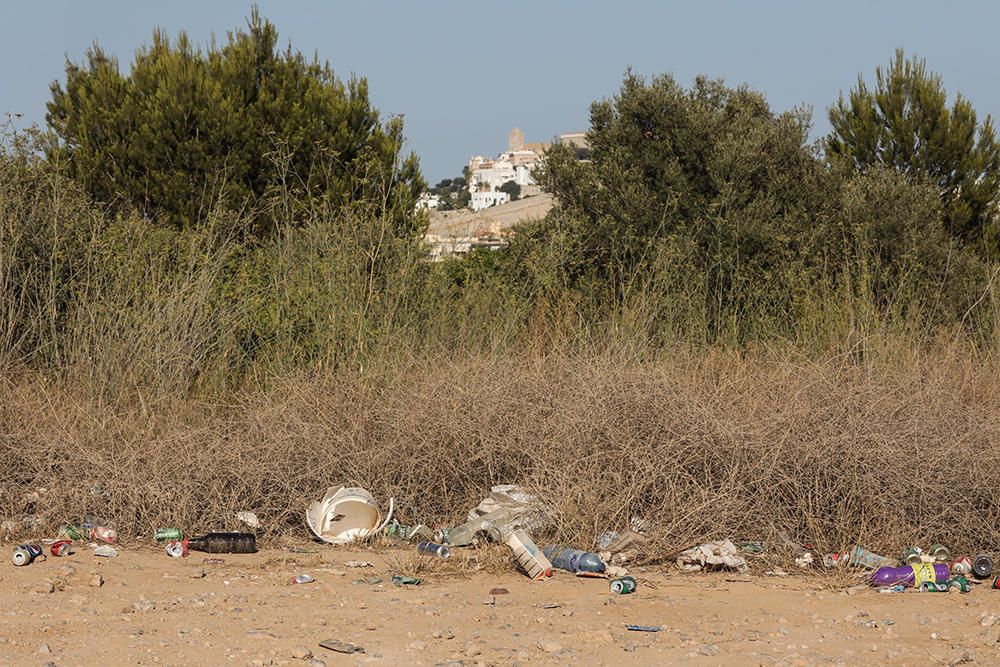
61 548
176 548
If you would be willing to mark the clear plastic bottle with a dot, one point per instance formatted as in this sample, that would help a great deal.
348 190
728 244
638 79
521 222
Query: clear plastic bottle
573 560
224 543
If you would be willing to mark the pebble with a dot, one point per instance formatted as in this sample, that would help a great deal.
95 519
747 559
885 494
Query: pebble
66 570
473 649
416 646
96 581
709 650
301 653
550 646
44 648
629 647
42 587
197 573
316 662
988 620
260 634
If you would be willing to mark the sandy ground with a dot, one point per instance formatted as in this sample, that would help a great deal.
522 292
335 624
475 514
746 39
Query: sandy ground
152 609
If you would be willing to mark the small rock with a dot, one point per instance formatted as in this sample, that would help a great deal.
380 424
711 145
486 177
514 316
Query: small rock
96 581
489 601
550 646
416 646
66 570
316 662
967 656
197 573
629 647
260 634
43 586
709 649
44 648
473 649
301 653
988 620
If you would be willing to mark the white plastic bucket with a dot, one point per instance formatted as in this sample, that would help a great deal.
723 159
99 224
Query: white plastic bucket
346 513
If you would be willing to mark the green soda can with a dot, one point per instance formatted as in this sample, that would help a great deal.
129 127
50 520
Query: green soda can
623 585
75 533
169 534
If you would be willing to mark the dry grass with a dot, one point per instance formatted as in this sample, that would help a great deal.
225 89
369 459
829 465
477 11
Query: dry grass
706 445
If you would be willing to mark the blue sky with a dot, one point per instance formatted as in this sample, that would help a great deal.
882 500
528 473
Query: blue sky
464 73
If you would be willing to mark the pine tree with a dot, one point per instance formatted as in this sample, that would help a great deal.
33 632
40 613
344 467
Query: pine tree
185 128
905 124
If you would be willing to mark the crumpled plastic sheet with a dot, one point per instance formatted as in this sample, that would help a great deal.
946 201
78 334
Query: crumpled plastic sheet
712 555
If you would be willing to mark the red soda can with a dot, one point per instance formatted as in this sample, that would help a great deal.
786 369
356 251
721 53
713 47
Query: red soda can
996 583
61 548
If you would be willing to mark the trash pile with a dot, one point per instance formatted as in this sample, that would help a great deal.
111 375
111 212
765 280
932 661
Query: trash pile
508 515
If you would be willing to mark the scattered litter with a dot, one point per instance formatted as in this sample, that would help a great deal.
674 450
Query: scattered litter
805 560
574 560
248 518
224 543
528 556
26 554
370 581
898 588
345 514
341 647
400 580
176 549
61 548
433 549
615 571
106 551
302 579
623 586
712 555
982 566
168 534
910 575
359 563
644 628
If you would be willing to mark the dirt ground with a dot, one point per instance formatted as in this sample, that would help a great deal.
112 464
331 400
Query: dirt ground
152 609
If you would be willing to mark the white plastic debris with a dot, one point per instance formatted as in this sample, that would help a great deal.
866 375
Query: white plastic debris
805 560
249 518
345 514
712 555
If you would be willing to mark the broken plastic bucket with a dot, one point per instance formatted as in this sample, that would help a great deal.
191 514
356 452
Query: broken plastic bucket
345 514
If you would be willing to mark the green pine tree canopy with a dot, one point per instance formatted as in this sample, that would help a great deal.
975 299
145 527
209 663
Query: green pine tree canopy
906 125
187 129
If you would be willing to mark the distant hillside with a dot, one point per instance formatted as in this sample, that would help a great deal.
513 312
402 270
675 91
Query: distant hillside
495 218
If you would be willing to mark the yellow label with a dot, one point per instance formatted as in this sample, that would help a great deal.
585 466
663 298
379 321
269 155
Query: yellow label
923 572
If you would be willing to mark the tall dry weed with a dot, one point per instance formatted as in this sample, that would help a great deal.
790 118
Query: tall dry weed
700 445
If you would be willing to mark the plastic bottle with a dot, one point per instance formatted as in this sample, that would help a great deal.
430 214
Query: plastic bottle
910 575
573 560
528 556
224 543
430 548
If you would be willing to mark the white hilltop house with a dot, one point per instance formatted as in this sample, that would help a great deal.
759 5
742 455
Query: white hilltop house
487 175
